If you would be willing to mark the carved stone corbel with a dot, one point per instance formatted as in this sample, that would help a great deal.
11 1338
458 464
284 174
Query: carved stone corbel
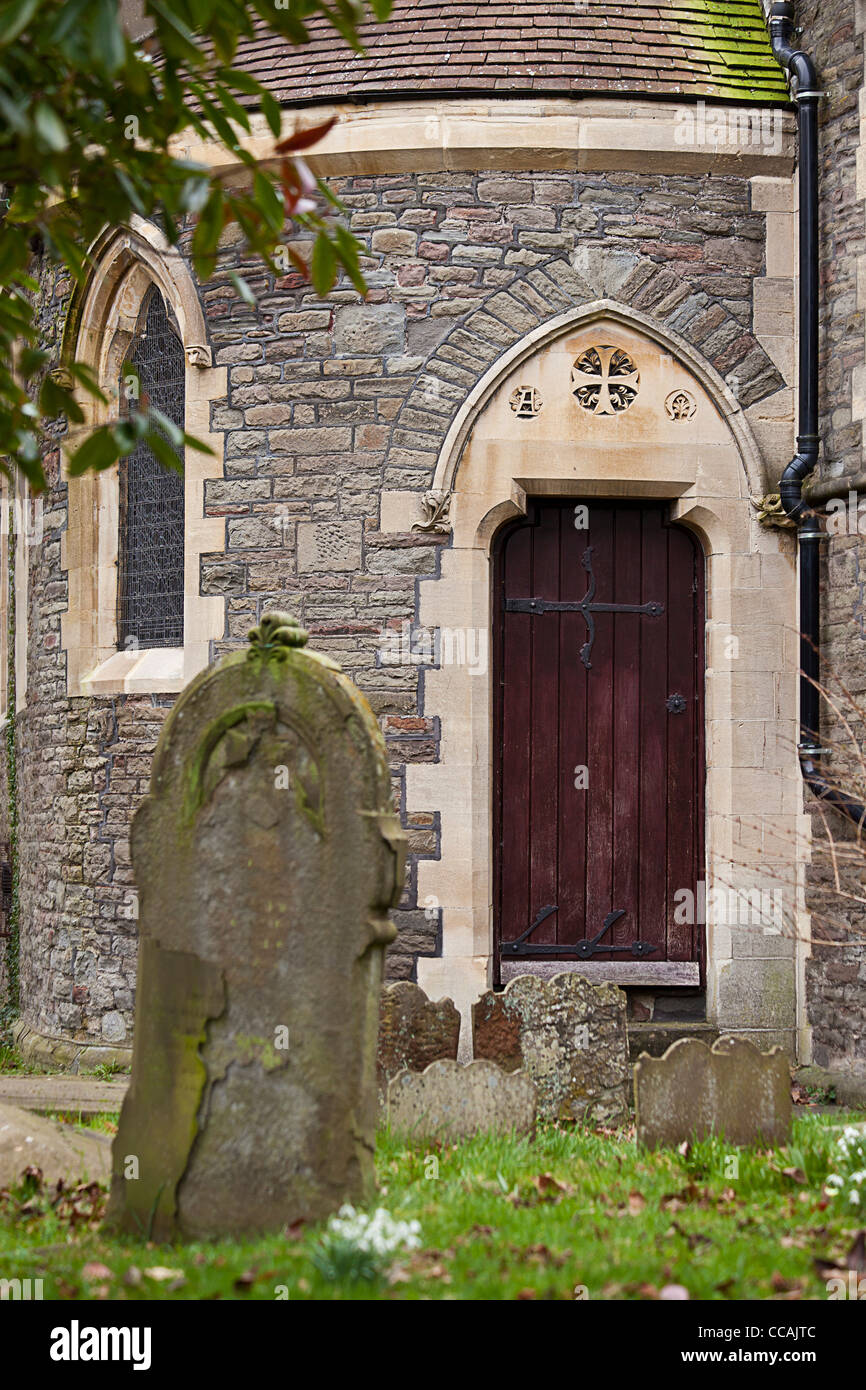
198 355
437 508
771 512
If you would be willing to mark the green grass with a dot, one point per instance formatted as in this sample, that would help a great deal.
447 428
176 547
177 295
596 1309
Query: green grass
106 1123
506 1219
13 1064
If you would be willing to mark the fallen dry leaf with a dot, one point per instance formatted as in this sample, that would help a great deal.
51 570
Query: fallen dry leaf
159 1273
95 1270
672 1292
672 1203
547 1183
795 1174
636 1202
693 1239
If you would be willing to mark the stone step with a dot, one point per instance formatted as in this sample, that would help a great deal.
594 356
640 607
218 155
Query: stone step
77 1095
656 1038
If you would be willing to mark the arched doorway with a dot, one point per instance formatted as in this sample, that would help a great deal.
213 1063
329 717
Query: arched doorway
598 746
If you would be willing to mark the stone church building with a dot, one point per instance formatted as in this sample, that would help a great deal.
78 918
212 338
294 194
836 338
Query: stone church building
525 492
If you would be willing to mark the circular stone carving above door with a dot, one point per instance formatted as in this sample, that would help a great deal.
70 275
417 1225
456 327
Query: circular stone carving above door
605 380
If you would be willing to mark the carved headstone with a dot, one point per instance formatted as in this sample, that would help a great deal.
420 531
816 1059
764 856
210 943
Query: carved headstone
730 1089
449 1102
413 1031
267 855
569 1035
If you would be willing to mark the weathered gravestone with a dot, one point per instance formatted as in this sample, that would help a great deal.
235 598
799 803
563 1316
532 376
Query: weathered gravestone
59 1151
413 1032
267 855
569 1035
731 1089
449 1101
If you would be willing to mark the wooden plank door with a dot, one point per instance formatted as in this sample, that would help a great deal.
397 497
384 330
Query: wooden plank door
599 771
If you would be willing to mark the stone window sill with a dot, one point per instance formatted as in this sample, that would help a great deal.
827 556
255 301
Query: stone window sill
149 671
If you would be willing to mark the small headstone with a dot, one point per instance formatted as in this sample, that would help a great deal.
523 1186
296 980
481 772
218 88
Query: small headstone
413 1031
450 1102
569 1035
58 1150
731 1089
266 855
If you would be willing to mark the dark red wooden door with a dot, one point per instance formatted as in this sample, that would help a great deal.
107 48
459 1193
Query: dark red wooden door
599 778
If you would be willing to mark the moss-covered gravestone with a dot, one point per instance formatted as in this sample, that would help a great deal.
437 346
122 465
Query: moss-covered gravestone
266 855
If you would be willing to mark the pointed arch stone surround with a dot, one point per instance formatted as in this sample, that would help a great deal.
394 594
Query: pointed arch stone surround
489 463
101 324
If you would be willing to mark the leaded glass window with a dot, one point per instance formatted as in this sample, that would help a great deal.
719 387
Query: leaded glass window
150 552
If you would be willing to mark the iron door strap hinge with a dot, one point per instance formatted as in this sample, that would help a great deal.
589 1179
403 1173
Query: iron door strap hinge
587 606
584 950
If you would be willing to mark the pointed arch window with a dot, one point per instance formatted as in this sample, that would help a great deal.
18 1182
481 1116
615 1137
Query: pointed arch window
150 588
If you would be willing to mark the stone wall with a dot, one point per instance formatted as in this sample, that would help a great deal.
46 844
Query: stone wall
330 403
836 974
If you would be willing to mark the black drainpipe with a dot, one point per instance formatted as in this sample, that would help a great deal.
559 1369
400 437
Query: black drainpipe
802 70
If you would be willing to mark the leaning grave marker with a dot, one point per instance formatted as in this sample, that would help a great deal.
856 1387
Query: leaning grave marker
413 1032
449 1102
730 1089
267 854
570 1037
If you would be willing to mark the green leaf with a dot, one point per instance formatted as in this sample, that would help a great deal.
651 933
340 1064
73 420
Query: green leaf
198 444
97 453
284 21
130 190
84 374
168 426
268 201
194 194
175 35
13 253
242 81
207 232
56 400
233 109
242 288
15 17
129 431
164 452
49 128
271 112
348 250
30 360
324 267
107 46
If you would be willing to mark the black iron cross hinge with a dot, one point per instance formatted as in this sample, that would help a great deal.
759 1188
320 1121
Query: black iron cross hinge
586 606
584 950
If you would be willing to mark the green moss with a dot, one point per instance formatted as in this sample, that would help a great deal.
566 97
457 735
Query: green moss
214 733
729 47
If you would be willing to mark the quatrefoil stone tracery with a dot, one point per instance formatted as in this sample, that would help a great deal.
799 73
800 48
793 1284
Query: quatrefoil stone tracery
605 380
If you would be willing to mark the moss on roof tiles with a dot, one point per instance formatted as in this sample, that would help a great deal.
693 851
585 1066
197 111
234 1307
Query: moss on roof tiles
733 34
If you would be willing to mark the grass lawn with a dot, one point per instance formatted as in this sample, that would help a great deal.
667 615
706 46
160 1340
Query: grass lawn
505 1219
